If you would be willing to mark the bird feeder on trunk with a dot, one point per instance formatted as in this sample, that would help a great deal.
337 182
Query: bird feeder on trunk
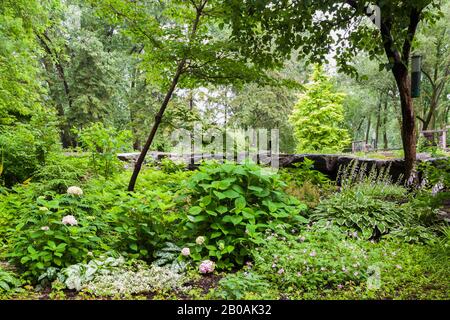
416 75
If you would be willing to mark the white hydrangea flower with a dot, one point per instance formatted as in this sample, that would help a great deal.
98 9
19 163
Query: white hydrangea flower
74 191
200 240
69 220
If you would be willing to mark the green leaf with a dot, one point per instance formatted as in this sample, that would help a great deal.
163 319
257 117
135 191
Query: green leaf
240 203
236 219
31 250
221 209
195 210
231 194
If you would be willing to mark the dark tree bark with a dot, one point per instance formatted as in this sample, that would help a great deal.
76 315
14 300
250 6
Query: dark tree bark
377 128
385 118
45 41
369 124
400 61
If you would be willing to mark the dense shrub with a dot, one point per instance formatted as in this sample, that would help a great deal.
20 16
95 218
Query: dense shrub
103 144
230 205
61 171
55 231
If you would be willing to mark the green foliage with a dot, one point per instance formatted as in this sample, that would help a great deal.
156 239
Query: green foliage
305 183
62 171
78 275
8 281
356 211
230 206
304 172
104 143
311 260
317 117
169 166
438 173
41 240
245 285
24 148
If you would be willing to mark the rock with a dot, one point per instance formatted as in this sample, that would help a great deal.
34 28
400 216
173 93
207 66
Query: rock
328 164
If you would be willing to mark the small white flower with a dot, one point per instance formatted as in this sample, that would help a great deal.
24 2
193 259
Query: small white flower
333 271
200 240
281 271
69 220
185 252
43 209
302 239
45 228
398 266
356 273
313 253
74 191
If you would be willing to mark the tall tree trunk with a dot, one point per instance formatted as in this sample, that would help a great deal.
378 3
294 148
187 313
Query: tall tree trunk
45 41
408 118
377 129
369 123
400 61
385 138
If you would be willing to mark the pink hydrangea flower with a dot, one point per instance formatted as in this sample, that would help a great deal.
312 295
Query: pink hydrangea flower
185 252
69 220
207 266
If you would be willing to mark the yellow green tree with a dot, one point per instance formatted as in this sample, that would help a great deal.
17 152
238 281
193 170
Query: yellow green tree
318 117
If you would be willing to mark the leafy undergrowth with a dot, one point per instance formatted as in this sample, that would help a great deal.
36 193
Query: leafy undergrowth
225 232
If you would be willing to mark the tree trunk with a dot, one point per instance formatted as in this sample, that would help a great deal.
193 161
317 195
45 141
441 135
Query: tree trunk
159 115
158 118
368 129
385 138
408 118
377 129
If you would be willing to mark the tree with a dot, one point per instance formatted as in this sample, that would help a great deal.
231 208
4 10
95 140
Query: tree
182 48
433 42
317 117
273 29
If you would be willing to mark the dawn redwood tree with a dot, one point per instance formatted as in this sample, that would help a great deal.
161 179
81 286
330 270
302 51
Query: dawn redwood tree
184 45
273 29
